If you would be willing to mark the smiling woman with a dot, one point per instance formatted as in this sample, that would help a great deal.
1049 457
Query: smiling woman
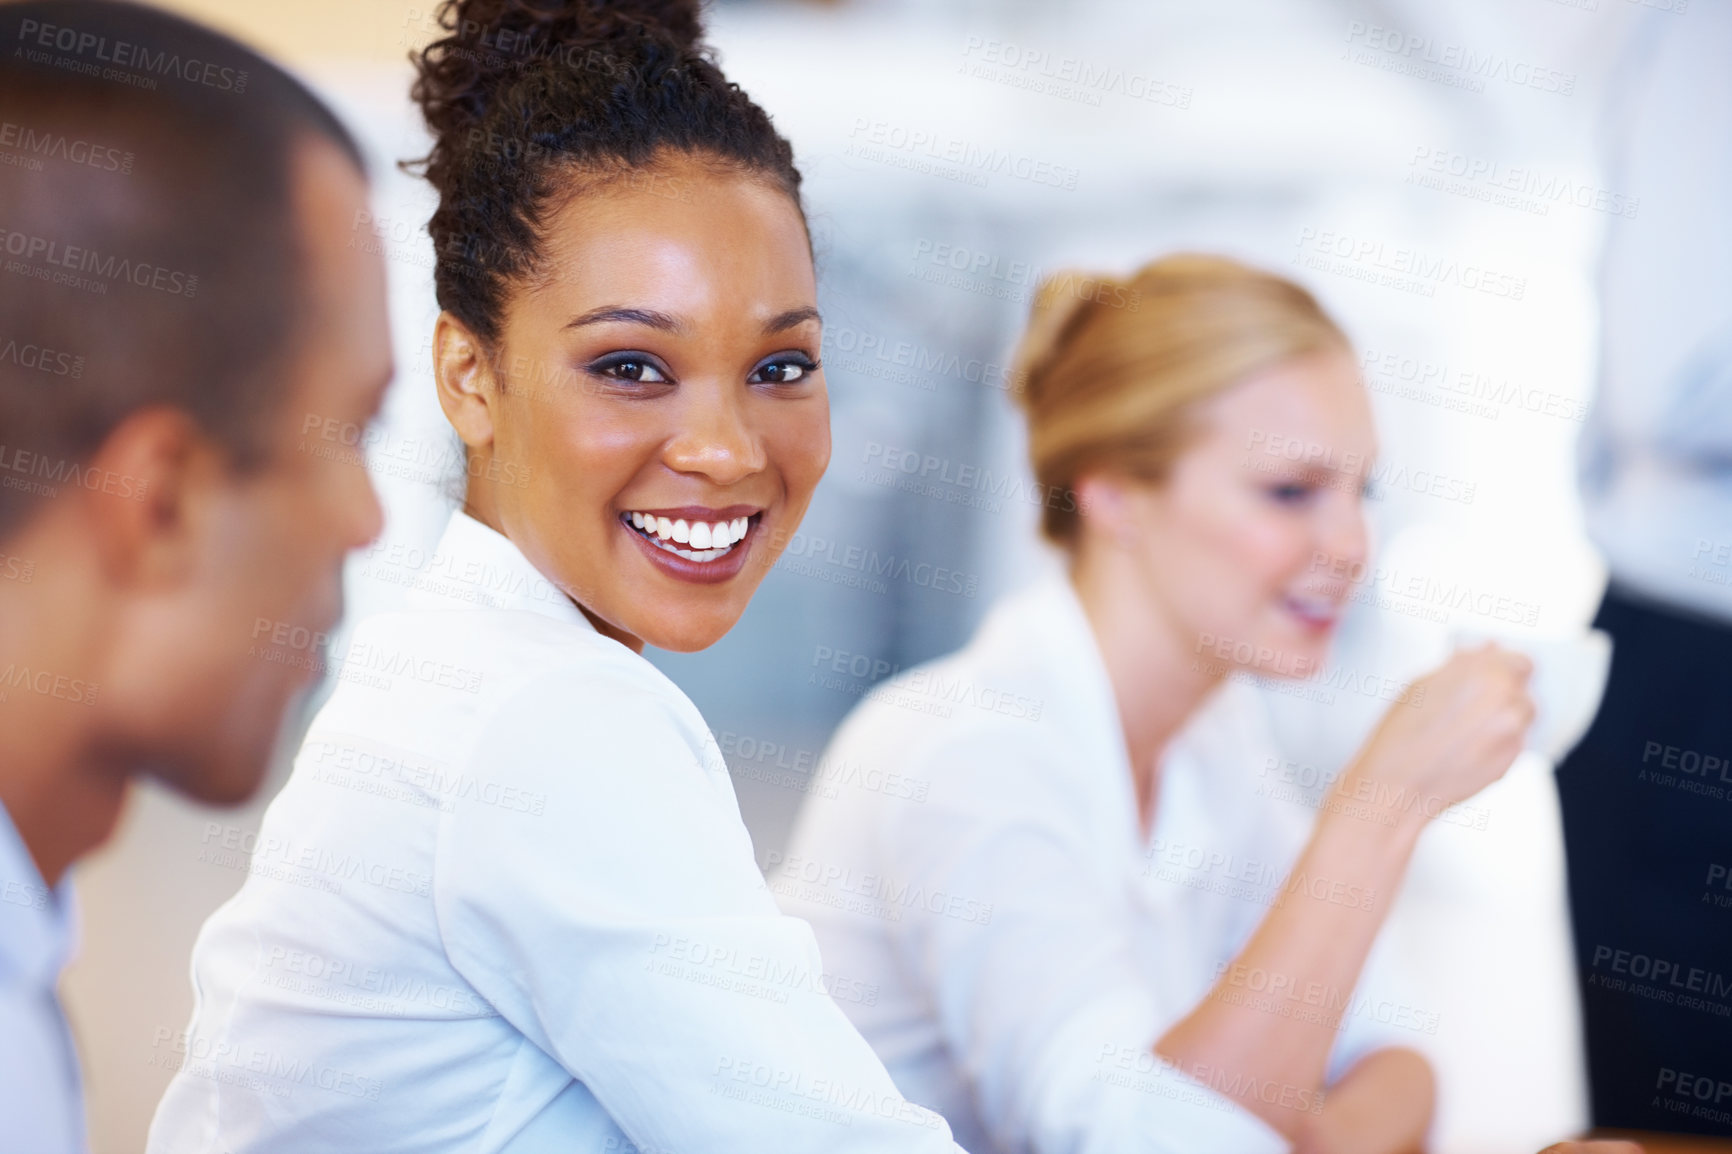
681 343
517 910
1171 948
623 235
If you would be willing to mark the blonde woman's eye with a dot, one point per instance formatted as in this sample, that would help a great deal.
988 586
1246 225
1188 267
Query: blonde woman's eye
1290 493
783 371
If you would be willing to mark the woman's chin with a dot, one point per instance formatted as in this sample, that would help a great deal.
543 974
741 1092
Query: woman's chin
684 634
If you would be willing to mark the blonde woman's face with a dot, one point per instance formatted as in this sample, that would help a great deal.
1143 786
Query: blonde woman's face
1247 542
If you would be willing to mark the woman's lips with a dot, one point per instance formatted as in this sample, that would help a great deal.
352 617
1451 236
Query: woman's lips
684 548
1315 613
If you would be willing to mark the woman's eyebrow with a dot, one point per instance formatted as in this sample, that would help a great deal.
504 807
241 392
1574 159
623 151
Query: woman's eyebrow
793 317
614 313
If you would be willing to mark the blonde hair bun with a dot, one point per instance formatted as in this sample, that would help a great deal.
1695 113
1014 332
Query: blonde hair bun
1110 371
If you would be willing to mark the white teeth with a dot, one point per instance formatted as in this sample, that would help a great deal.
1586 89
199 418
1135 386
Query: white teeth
694 555
707 540
1318 608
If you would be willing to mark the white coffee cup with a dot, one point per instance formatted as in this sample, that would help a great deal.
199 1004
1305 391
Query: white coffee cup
1568 680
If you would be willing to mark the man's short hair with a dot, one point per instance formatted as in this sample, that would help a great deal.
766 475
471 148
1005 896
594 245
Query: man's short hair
149 250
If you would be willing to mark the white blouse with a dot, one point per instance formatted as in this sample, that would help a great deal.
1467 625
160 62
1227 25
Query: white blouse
506 903
976 859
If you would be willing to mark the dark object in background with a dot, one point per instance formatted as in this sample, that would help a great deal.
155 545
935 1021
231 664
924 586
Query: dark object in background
1647 809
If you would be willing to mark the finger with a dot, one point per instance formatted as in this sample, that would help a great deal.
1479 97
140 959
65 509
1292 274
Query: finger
1514 660
1516 720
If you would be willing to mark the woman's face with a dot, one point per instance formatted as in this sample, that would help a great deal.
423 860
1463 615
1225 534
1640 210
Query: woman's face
1248 542
663 419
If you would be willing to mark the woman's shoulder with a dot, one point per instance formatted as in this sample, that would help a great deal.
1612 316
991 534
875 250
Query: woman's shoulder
944 738
1006 700
504 645
459 672
534 711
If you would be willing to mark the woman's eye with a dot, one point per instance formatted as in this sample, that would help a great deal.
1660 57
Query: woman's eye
1290 493
629 368
783 372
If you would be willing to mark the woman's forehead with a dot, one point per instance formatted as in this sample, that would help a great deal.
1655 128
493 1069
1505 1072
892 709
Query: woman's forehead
737 245
1301 408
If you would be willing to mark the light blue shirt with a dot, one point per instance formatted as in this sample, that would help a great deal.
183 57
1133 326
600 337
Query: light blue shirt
506 903
41 1106
1656 455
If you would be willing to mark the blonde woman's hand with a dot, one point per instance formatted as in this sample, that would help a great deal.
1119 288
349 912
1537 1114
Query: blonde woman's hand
1459 730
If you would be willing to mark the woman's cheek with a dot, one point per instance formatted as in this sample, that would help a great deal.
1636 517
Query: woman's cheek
1273 548
802 452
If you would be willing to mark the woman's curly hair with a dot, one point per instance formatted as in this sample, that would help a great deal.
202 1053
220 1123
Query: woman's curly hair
533 101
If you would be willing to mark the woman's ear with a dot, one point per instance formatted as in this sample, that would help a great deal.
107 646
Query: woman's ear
1106 509
463 376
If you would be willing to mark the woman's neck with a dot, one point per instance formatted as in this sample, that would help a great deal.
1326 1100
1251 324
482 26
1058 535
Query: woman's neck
1158 679
481 505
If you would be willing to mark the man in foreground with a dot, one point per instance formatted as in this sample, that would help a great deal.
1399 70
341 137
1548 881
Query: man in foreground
179 297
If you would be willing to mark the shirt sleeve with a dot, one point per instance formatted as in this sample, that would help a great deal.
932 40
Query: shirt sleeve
618 920
1041 1001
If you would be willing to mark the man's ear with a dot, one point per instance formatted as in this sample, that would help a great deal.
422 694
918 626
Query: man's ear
463 376
148 493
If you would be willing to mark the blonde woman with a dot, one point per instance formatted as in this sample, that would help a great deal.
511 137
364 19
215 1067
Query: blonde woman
1094 927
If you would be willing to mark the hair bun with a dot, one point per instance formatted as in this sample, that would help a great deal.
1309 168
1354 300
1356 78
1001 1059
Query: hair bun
490 43
510 28
532 102
1056 311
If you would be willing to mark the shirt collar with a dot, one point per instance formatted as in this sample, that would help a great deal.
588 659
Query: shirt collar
1056 612
477 565
36 922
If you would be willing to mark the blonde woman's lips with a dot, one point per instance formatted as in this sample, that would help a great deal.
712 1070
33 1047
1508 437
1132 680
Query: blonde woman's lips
1314 612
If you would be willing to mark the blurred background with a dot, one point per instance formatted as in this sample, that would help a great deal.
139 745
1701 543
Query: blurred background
1430 171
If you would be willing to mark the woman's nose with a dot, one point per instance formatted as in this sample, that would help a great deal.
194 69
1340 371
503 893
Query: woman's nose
1344 536
715 438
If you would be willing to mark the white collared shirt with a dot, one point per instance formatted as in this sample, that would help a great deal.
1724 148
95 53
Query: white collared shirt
506 903
41 1101
970 850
